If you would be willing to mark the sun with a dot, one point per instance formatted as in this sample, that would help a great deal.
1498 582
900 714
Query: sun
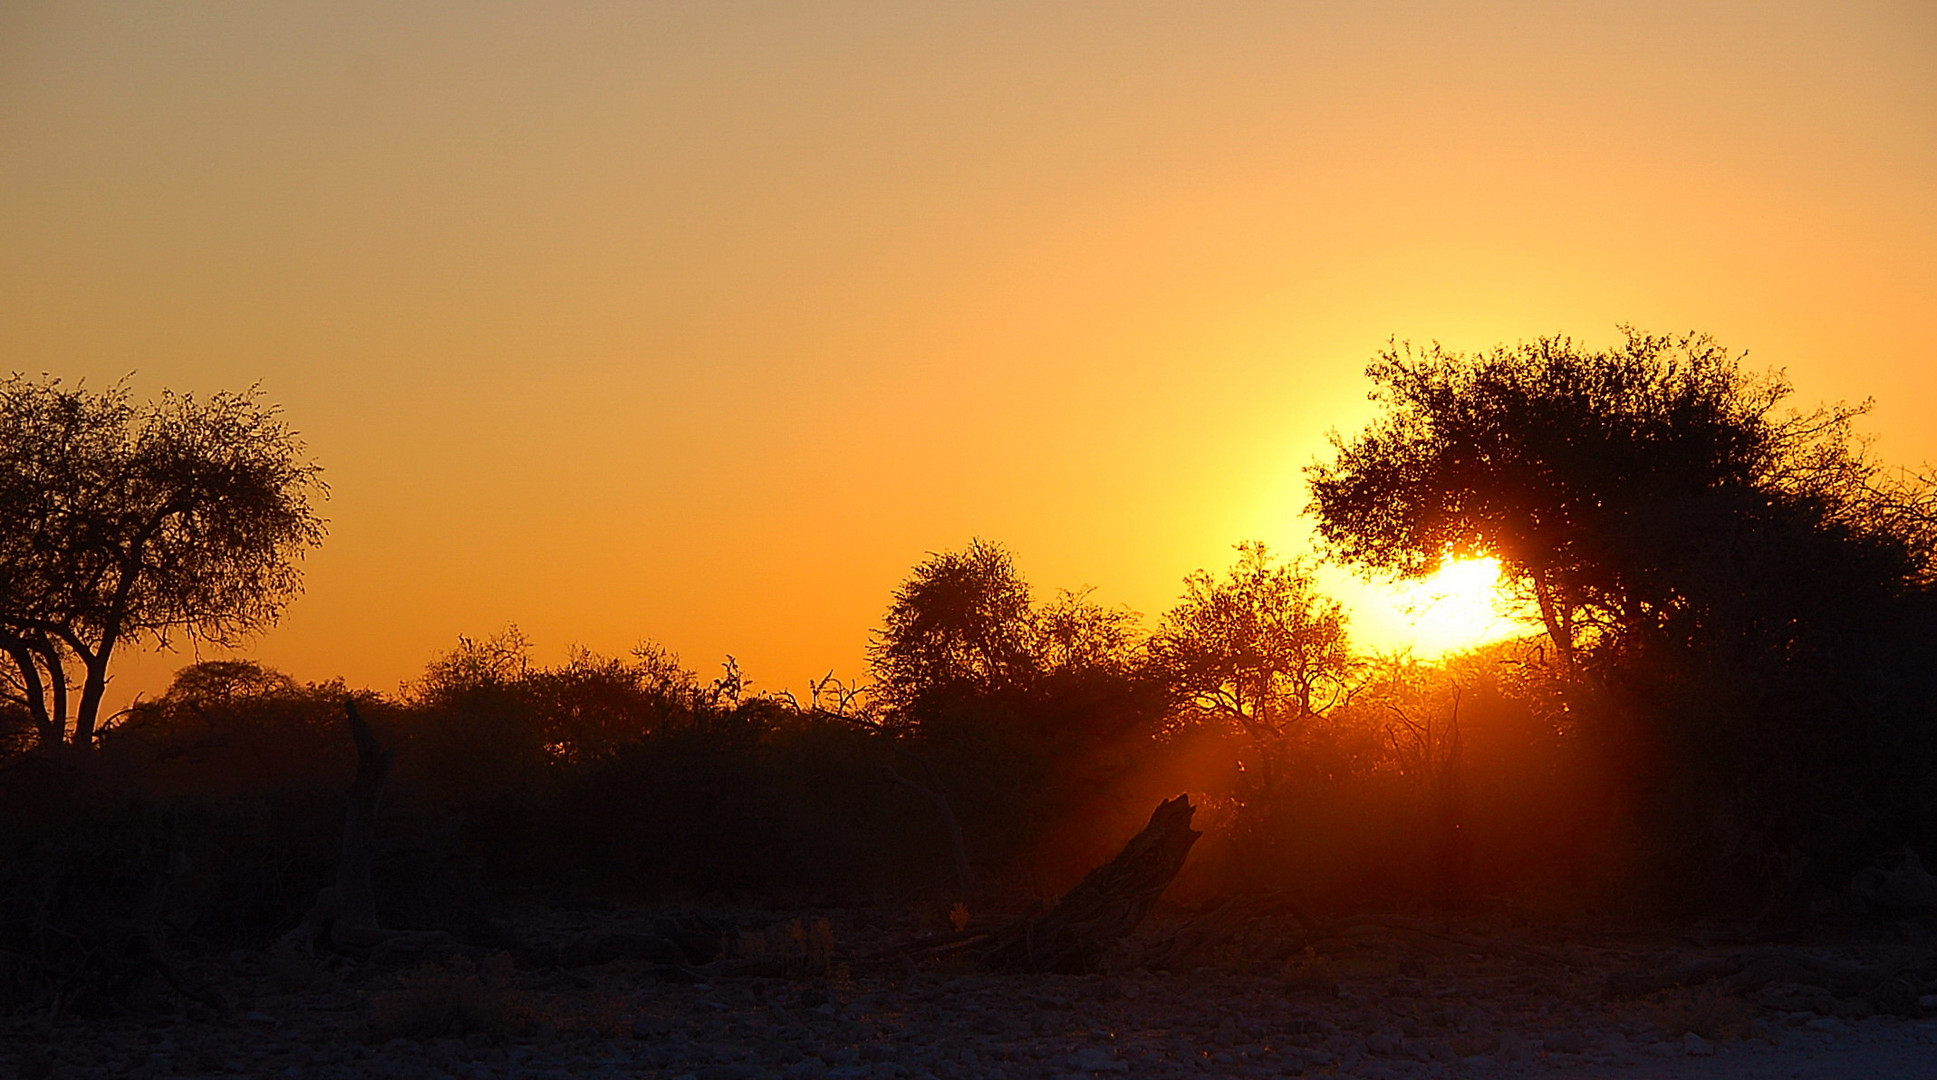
1462 606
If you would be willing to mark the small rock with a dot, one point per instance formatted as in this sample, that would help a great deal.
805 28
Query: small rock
1696 1046
1227 1033
1928 1001
1828 1025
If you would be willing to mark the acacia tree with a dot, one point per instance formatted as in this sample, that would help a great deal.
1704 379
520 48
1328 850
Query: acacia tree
1260 648
1075 635
961 620
125 523
1647 487
1736 593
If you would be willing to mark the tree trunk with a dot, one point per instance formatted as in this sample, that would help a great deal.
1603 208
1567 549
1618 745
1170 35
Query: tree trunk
347 910
28 664
93 688
1558 621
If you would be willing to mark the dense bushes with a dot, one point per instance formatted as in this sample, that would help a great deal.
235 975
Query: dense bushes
1767 746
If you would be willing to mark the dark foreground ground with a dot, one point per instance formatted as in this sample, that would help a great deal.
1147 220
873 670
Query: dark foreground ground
1478 1000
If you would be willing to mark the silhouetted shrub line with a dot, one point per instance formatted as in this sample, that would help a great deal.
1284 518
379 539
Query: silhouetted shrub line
1729 709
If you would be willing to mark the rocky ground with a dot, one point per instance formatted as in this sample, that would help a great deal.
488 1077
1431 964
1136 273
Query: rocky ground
1377 1003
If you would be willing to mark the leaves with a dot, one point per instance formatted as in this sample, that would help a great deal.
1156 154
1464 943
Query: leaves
121 522
1260 648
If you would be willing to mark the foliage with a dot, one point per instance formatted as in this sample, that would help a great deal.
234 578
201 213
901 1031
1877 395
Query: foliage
1015 715
1737 597
1742 600
1638 489
961 622
121 522
1075 635
234 727
1260 649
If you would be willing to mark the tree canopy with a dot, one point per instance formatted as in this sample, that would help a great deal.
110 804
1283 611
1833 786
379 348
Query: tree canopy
127 522
962 619
1737 592
1650 486
1259 648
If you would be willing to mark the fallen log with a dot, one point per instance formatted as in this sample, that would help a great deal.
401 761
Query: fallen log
1073 936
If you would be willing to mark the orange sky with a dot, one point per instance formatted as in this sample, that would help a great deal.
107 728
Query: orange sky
705 321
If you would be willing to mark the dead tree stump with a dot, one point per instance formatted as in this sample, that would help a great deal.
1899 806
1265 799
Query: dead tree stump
1103 908
346 912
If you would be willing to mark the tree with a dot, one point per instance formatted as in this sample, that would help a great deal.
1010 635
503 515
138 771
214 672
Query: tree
1738 596
1642 488
123 523
961 621
1260 649
1075 635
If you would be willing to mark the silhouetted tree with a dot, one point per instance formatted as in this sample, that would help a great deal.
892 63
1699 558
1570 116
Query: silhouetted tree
1259 649
593 704
962 621
121 522
233 726
1737 594
1075 635
218 682
1620 488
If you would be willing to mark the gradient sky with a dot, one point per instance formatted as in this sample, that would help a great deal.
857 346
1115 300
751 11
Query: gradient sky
704 322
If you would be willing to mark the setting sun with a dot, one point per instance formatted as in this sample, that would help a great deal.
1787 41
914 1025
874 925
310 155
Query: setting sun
1462 606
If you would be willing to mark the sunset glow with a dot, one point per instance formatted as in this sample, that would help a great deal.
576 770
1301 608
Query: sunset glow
1461 606
705 323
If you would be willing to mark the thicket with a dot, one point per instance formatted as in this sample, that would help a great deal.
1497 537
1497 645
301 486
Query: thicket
1729 706
213 813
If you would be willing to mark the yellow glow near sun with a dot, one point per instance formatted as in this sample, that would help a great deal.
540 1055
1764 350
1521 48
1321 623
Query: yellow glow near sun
1460 607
